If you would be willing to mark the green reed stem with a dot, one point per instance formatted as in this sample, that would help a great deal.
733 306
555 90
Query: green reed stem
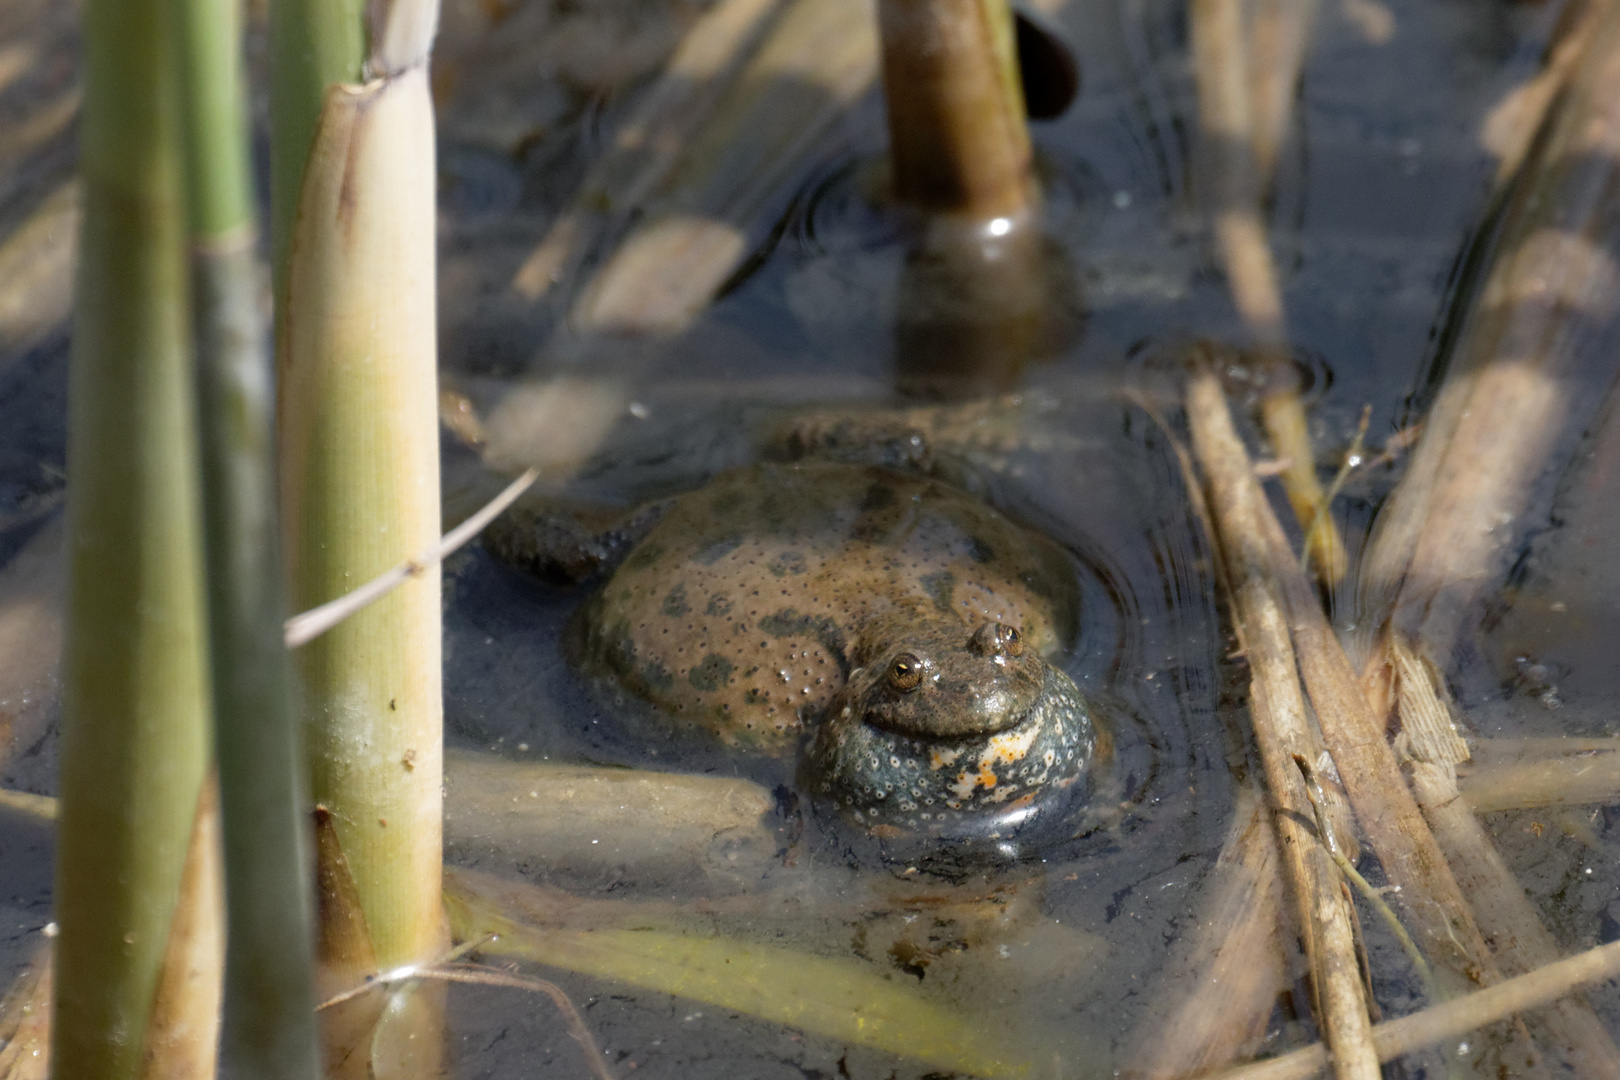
135 729
269 1004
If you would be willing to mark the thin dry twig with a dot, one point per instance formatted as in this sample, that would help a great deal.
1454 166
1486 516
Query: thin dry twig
482 975
306 627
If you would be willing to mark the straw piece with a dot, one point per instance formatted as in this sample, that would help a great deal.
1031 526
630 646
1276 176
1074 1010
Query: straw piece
307 626
1438 1023
1282 731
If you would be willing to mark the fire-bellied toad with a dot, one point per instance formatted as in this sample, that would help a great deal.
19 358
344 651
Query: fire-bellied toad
898 622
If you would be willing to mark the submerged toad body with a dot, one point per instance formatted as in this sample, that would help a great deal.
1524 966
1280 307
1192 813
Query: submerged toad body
899 622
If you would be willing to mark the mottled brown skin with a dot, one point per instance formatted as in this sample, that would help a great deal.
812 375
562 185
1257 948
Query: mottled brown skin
745 609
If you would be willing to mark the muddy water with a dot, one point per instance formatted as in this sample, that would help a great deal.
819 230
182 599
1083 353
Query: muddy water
1380 188
1381 184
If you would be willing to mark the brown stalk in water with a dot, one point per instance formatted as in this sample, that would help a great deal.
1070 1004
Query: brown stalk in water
1508 415
1227 118
958 143
1459 1016
1282 731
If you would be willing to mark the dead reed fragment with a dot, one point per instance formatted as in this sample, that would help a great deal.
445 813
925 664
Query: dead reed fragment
1438 1023
1282 730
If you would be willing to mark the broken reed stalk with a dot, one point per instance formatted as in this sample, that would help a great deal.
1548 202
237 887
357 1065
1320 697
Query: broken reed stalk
1227 126
958 141
1439 1023
269 1002
1384 806
1282 732
360 491
135 723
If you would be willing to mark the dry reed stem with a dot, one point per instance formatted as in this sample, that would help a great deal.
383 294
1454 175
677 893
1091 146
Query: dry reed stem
1278 36
1513 123
958 143
1459 1016
648 144
1282 730
1509 920
1226 117
1521 382
1576 779
1366 764
1217 997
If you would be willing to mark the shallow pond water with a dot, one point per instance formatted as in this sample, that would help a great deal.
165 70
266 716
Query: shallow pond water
1381 185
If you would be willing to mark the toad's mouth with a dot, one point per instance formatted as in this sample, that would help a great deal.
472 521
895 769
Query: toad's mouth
984 784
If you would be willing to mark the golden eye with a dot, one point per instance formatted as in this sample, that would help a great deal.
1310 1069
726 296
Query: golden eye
905 674
1010 641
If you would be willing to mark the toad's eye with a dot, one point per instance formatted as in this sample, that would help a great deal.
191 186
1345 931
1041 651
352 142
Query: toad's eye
1011 643
905 674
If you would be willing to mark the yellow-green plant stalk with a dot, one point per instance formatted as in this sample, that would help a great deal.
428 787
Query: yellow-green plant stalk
269 1003
360 481
135 724
958 141
314 44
